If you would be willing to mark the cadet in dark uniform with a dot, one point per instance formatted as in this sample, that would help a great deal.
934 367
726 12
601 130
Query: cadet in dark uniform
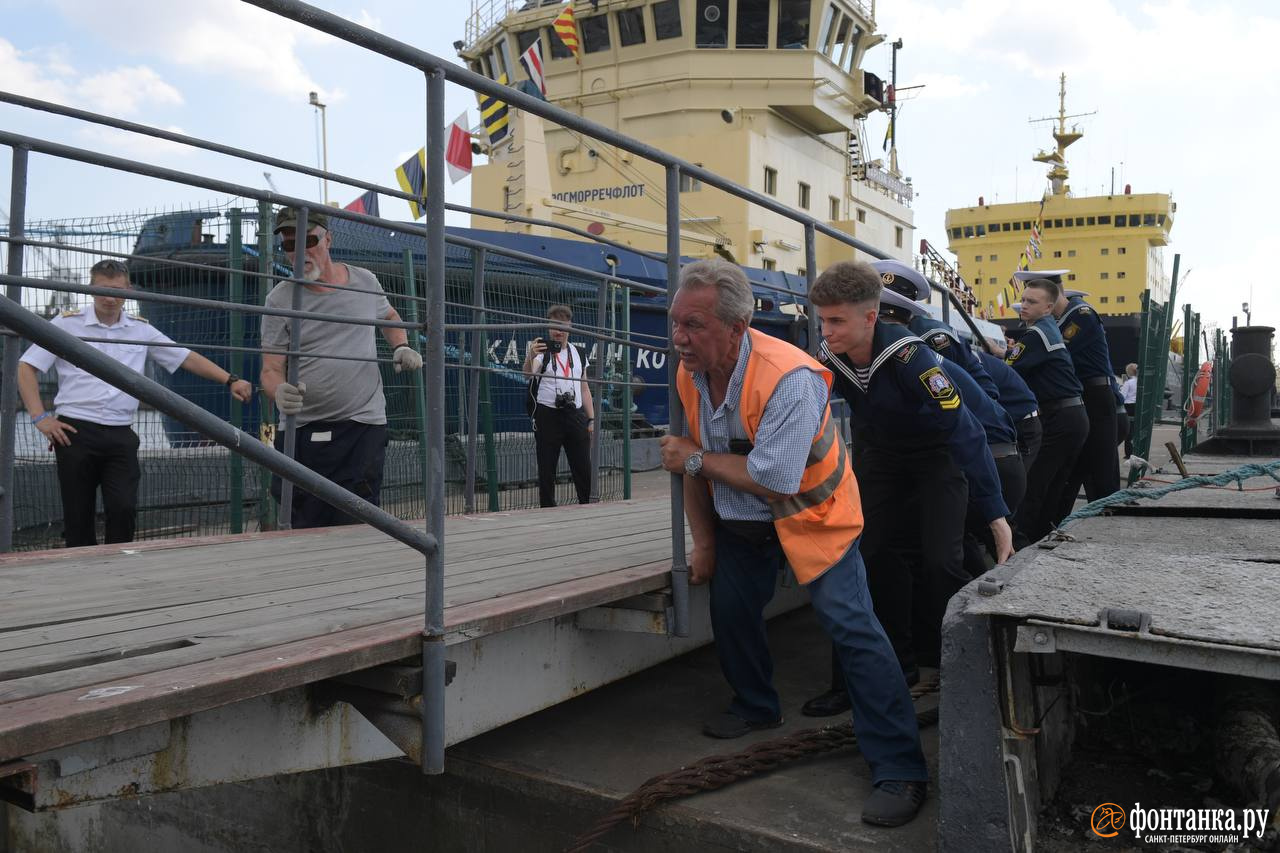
1097 467
899 278
921 457
1016 399
1040 357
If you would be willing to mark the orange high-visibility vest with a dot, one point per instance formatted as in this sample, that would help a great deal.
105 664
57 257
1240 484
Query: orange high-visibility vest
817 525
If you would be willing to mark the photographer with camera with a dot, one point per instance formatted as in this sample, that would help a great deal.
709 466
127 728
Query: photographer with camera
564 413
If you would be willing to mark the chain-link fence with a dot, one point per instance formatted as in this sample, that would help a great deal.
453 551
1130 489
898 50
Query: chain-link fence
192 487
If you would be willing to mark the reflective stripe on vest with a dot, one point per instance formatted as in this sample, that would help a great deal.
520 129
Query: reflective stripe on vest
819 524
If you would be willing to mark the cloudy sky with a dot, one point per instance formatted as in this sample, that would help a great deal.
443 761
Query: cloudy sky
1184 93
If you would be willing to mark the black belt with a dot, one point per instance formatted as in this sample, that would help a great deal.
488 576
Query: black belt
1000 451
1057 405
756 532
1096 380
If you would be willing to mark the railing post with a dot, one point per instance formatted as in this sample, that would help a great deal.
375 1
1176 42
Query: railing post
626 393
597 394
810 275
236 264
301 228
419 394
433 664
264 283
479 344
675 419
9 369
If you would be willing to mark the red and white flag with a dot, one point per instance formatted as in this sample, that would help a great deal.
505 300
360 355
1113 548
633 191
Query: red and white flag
531 59
457 153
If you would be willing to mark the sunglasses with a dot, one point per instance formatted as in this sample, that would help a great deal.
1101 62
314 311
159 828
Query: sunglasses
289 243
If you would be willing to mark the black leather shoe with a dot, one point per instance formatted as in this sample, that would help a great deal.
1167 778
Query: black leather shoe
727 726
828 704
894 802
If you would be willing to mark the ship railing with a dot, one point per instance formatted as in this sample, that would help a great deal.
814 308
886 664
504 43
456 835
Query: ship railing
436 73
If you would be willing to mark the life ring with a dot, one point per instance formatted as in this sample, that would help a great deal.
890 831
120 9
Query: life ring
1199 394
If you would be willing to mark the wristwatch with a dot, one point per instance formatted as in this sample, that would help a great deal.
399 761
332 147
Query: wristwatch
232 379
693 464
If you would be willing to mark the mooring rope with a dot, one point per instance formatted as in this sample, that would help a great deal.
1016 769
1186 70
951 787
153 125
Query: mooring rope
716 771
1235 475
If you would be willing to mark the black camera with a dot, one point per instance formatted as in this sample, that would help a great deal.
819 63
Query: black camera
566 400
554 346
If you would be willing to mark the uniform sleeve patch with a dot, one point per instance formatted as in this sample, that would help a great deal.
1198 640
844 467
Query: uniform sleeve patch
905 354
938 384
939 340
1070 331
1014 351
1085 311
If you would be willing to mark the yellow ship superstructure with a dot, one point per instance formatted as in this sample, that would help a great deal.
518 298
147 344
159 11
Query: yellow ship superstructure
768 93
1113 244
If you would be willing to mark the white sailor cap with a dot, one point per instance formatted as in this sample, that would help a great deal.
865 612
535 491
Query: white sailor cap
1030 275
1072 294
1016 307
893 299
902 279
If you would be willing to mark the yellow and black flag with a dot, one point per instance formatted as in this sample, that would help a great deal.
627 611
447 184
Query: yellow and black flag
412 177
493 114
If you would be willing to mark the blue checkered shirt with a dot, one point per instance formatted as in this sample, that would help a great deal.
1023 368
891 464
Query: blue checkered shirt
791 420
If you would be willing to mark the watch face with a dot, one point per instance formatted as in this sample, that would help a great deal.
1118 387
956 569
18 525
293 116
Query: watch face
693 464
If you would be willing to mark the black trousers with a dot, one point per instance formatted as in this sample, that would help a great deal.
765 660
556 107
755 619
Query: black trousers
347 453
1030 437
553 429
1131 409
1096 468
978 539
1064 434
913 507
98 456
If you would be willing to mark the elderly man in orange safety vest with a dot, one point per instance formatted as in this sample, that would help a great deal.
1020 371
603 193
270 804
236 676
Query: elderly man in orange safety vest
767 483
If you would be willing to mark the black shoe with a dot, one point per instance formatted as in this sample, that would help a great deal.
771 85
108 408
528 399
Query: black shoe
828 704
727 726
894 802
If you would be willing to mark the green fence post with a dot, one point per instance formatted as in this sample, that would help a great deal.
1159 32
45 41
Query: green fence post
415 341
626 393
236 263
1153 367
263 285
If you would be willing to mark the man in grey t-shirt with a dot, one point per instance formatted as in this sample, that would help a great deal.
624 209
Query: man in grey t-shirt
342 414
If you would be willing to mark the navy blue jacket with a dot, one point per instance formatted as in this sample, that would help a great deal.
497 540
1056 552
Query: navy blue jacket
910 403
1041 358
996 422
1086 339
943 340
1015 395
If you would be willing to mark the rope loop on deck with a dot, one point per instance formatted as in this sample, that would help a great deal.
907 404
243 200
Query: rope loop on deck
1235 475
717 771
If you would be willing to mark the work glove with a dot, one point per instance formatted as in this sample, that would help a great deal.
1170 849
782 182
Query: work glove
289 397
406 358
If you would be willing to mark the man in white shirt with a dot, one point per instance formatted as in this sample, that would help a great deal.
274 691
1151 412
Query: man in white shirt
565 413
91 434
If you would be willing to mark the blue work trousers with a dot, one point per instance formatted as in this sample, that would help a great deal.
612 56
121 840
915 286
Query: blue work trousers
883 717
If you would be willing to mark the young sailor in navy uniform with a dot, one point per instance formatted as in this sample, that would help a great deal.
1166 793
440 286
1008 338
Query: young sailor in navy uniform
920 458
1097 468
1041 358
941 338
1016 399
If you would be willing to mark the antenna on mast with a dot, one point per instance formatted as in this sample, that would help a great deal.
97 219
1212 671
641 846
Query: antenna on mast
1057 159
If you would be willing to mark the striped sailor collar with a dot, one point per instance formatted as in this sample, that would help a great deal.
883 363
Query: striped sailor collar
887 340
1049 323
734 392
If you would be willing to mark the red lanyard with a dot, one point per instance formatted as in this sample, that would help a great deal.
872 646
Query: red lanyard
565 365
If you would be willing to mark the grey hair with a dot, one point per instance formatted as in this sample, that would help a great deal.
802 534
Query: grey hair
734 299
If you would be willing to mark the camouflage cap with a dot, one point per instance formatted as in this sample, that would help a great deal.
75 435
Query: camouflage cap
287 217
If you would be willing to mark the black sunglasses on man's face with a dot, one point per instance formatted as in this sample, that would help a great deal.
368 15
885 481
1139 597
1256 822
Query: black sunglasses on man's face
289 243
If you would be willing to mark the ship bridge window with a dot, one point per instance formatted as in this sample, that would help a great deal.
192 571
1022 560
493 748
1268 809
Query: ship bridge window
851 51
1120 221
502 61
1161 218
631 26
753 24
982 230
713 24
842 35
1070 222
955 233
993 227
1092 220
666 20
595 33
1048 223
1149 219
1079 220
525 38
828 24
1057 223
793 25
1026 226
558 50
1104 220
968 231
1017 226
1005 226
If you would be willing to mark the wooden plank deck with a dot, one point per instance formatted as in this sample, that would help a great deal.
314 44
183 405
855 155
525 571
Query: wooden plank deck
98 640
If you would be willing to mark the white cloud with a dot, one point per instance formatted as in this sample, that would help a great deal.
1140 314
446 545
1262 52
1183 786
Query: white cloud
124 90
215 36
938 86
26 77
134 145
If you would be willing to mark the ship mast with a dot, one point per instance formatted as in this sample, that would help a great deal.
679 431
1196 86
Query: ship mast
1057 160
